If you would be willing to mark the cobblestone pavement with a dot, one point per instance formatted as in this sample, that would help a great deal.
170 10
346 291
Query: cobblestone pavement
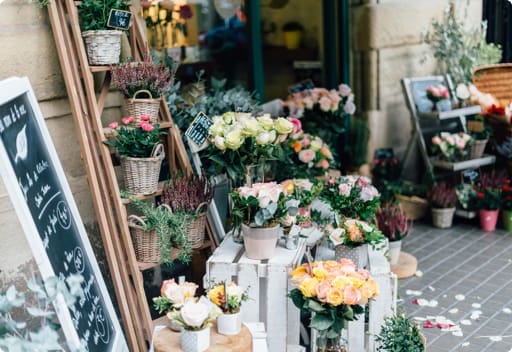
467 278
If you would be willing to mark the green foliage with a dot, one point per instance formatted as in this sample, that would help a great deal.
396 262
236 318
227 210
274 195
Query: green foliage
42 333
399 335
171 228
93 14
39 3
460 49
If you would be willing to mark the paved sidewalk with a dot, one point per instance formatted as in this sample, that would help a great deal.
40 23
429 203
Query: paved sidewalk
467 278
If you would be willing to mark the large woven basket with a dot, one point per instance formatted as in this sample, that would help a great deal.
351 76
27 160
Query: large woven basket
137 107
415 207
103 47
145 243
141 174
495 79
197 228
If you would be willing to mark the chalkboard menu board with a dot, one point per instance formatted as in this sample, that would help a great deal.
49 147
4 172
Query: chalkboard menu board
119 19
43 201
199 128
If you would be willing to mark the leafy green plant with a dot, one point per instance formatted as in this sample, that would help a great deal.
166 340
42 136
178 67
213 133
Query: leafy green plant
41 333
399 335
458 48
93 14
171 228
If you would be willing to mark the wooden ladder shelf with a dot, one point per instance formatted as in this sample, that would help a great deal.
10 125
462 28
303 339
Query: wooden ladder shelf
87 106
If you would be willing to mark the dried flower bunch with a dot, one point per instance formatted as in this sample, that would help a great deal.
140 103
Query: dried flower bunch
133 76
442 195
392 221
186 193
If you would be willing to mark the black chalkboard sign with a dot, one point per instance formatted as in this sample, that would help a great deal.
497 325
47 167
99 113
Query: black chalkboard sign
199 128
43 201
119 19
470 176
299 87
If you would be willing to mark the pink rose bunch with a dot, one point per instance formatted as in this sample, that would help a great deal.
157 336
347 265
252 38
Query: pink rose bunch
451 146
334 290
339 100
174 295
437 92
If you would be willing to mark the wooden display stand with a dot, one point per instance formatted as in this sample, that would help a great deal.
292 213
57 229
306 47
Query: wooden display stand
167 340
406 266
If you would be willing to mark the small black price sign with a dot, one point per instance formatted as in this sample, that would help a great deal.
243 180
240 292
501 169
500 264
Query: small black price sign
299 87
470 176
119 19
199 128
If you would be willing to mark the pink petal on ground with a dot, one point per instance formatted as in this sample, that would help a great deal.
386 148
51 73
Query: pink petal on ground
428 324
415 301
444 326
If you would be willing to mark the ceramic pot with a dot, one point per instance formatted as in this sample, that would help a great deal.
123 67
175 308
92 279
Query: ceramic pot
195 341
507 219
488 219
260 242
394 251
359 254
229 324
442 217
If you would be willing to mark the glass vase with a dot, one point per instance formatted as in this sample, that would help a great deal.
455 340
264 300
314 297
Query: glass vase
337 344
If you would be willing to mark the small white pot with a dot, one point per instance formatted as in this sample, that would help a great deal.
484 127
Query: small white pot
394 251
229 324
195 341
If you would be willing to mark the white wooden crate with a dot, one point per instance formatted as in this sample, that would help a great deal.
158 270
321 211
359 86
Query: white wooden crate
268 282
360 336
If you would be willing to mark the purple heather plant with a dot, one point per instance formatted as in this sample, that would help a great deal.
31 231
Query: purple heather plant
392 221
185 193
442 195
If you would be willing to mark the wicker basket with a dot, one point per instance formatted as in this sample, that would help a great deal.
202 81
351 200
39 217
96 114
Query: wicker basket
415 207
141 174
494 79
196 229
145 243
477 148
103 47
137 107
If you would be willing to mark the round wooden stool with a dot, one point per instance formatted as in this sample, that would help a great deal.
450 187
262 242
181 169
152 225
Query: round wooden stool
167 340
406 266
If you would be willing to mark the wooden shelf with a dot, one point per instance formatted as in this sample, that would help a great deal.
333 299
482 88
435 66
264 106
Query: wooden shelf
99 68
146 196
462 165
443 115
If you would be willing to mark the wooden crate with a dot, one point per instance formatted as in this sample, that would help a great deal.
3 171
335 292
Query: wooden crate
358 334
268 282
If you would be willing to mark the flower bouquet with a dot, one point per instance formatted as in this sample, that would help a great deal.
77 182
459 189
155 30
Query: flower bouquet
228 297
141 152
437 92
352 196
451 146
173 296
333 292
239 141
258 210
323 112
304 191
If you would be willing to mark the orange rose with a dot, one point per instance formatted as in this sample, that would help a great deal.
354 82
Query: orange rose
297 146
335 297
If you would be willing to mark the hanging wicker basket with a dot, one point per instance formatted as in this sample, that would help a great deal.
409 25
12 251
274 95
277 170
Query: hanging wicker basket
141 174
145 243
103 46
147 106
415 207
197 228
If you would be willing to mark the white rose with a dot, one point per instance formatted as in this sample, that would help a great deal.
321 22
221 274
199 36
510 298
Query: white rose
462 91
234 291
175 294
337 236
250 127
194 314
219 143
217 129
263 138
229 117
283 126
263 201
266 122
316 144
234 140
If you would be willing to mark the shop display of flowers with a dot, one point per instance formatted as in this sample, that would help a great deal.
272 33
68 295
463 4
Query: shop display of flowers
238 140
334 291
195 315
173 296
437 92
305 191
227 296
451 146
352 196
352 233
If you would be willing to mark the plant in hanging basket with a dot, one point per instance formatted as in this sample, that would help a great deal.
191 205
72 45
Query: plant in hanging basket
442 195
392 221
135 140
132 77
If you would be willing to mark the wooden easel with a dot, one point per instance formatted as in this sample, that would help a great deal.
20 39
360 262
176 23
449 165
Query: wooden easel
87 107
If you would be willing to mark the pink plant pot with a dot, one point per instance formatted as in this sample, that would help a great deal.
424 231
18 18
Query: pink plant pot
488 219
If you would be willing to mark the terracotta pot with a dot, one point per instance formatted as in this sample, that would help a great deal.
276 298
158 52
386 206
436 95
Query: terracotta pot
488 219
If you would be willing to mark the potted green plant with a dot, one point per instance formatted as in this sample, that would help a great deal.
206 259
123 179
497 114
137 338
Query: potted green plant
159 234
143 83
141 152
443 198
190 195
488 198
292 32
103 44
393 223
397 334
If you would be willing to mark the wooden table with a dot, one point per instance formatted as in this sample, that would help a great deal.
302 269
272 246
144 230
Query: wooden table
167 340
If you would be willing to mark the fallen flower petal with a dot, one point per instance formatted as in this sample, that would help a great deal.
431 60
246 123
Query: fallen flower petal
453 310
465 322
428 324
507 310
476 305
495 338
413 293
415 301
465 344
460 297
444 326
419 273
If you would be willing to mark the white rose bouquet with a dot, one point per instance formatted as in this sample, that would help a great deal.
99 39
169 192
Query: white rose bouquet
238 140
194 315
173 296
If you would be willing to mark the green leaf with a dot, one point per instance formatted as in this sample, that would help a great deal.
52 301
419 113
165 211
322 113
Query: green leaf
315 306
321 322
297 298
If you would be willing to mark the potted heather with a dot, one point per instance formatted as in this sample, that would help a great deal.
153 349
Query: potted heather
443 198
190 195
393 223
143 83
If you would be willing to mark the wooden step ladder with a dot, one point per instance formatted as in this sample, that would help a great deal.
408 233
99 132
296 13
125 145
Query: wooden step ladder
87 106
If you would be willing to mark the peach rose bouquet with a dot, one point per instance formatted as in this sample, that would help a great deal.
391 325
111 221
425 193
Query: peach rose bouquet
353 233
173 295
334 291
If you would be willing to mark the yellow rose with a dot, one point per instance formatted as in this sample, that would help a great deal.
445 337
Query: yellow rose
266 122
288 187
234 139
316 144
216 295
283 126
334 297
320 273
229 117
356 282
217 129
370 289
250 127
308 287
340 282
219 143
